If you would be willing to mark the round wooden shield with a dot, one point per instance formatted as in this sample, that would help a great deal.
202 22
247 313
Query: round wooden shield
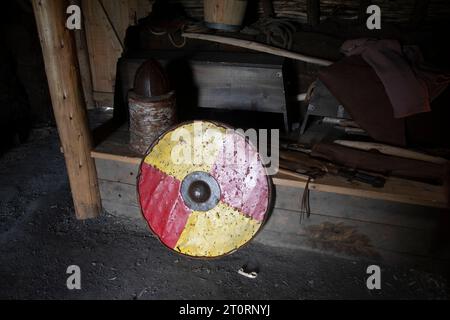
203 189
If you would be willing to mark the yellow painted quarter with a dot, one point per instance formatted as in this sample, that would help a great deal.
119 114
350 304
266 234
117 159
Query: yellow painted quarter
216 232
189 148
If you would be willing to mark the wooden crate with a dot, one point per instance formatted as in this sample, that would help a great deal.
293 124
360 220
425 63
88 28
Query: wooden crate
222 80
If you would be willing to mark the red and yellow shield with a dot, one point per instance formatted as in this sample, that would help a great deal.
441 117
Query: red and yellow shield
203 189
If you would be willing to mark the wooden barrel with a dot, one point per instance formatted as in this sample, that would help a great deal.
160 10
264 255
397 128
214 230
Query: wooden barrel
225 14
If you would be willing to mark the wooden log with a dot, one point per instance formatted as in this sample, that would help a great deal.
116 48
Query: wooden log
83 61
258 47
59 51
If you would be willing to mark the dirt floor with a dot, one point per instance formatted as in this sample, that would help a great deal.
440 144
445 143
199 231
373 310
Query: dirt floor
40 238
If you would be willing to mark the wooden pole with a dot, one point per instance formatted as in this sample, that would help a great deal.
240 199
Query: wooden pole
84 63
258 47
59 51
391 151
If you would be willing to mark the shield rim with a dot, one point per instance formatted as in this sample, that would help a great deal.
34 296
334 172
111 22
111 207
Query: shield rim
269 180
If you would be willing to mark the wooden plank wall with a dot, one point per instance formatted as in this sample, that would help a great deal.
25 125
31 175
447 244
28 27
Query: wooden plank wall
106 22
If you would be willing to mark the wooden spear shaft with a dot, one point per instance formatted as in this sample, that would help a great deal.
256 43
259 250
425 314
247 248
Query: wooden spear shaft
258 47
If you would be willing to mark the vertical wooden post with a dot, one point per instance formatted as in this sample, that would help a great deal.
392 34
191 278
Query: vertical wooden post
59 51
313 12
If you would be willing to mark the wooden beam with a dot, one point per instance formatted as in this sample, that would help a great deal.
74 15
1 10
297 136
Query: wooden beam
59 51
84 63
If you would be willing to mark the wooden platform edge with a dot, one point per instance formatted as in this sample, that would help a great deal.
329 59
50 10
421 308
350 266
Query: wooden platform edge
287 181
114 157
372 193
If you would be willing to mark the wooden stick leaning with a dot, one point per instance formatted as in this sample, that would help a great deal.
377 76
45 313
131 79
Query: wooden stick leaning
391 151
258 47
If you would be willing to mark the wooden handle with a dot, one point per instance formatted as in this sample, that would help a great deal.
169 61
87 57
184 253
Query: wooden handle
391 151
